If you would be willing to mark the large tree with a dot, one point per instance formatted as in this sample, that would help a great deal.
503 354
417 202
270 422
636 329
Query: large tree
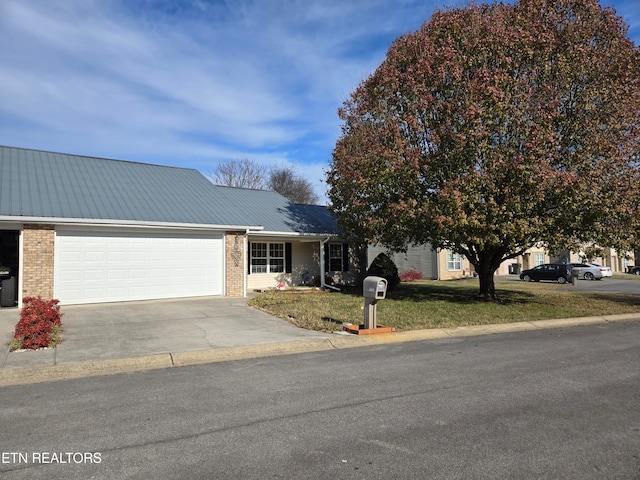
494 128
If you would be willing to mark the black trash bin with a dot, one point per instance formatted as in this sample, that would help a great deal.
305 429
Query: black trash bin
8 289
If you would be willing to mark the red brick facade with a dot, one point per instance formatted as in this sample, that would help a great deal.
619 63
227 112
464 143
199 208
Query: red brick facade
37 261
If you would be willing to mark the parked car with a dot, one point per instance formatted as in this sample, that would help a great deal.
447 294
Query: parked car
592 271
557 272
635 270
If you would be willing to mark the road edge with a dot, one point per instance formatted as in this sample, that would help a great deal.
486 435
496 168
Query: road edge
68 371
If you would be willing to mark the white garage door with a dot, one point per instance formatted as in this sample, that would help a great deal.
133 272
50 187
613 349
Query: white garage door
94 267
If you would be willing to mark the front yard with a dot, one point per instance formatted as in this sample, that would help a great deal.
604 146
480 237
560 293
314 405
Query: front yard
430 304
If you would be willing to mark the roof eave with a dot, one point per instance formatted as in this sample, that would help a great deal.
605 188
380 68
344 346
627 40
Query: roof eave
324 235
124 223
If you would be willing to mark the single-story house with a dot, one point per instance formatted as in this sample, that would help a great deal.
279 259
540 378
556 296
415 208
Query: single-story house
90 230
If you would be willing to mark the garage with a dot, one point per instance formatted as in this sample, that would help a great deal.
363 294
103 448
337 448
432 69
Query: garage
93 266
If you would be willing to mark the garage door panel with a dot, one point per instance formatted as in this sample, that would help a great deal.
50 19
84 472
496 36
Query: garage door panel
93 267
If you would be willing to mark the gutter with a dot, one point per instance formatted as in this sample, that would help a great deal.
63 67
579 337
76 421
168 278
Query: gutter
93 222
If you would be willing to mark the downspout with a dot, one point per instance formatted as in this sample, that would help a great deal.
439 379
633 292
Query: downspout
245 265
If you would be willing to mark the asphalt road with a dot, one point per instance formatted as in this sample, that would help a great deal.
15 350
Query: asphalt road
550 404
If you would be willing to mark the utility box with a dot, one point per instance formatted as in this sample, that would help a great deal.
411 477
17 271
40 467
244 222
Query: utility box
374 289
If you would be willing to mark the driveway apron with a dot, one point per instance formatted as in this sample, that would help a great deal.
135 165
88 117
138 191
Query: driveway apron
132 329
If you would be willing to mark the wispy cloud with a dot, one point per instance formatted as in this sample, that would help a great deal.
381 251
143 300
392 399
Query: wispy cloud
191 82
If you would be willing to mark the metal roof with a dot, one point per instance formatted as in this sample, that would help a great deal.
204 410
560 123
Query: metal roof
48 185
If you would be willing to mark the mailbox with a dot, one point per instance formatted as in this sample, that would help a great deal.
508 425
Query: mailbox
375 288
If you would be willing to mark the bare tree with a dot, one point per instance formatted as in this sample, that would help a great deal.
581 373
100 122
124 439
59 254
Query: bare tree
242 173
289 184
246 173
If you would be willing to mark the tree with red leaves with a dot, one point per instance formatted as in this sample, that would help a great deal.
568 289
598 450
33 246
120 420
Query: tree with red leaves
492 129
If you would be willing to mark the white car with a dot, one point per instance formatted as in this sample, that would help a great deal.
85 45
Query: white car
592 271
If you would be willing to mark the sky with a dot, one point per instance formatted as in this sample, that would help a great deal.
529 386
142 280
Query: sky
189 83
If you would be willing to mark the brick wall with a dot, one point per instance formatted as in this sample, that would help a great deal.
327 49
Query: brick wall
37 261
235 255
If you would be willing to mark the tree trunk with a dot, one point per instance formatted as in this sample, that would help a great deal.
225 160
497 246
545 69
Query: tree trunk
486 262
487 286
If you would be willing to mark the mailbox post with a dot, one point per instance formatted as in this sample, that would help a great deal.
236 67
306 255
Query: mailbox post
575 273
374 289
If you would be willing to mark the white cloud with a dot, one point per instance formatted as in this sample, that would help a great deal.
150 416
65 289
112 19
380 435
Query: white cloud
190 83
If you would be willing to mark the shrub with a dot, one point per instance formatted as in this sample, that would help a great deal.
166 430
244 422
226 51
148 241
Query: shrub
410 276
39 324
383 266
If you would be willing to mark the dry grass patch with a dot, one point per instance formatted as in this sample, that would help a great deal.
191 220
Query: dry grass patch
432 304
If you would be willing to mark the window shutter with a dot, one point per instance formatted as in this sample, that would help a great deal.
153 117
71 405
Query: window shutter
345 257
248 258
287 258
326 257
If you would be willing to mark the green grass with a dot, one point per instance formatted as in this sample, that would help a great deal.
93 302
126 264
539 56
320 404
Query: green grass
432 304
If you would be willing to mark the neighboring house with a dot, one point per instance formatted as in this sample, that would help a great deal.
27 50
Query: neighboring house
89 230
432 264
531 258
446 265
539 255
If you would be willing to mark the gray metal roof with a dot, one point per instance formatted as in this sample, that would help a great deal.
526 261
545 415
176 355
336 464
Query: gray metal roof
38 184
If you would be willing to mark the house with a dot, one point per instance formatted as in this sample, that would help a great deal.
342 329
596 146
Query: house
90 230
539 254
432 264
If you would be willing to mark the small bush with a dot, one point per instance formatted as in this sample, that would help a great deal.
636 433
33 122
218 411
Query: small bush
410 276
39 324
383 266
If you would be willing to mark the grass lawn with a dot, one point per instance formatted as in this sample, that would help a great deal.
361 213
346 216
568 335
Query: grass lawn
431 304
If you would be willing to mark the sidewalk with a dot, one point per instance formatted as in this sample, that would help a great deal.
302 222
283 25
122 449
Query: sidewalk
113 338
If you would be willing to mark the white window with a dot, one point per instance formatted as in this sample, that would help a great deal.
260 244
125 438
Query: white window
276 257
538 259
335 257
267 257
454 262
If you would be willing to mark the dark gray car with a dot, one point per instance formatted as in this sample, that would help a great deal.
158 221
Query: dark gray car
556 272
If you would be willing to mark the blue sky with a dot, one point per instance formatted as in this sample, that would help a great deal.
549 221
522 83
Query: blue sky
191 82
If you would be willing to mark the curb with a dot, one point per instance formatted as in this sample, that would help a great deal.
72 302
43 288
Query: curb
68 371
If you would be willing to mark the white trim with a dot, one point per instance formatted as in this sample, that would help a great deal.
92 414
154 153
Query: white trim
310 236
245 264
88 222
453 261
323 273
21 264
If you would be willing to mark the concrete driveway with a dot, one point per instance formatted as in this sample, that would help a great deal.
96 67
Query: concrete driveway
135 329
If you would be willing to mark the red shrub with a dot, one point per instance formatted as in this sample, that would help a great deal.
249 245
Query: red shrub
410 276
38 322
